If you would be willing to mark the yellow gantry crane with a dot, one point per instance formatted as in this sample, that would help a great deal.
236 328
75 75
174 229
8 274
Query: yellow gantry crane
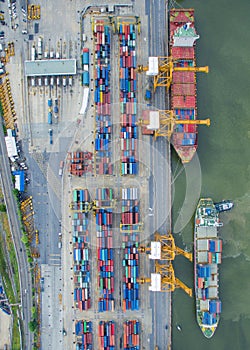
168 250
163 122
162 68
93 206
164 280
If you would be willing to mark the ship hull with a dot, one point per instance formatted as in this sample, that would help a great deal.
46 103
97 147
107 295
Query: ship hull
207 256
183 88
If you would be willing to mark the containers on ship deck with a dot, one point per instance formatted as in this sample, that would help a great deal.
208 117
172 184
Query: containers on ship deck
102 99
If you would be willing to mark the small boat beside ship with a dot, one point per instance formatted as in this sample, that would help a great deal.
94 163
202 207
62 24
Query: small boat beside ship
207 257
224 205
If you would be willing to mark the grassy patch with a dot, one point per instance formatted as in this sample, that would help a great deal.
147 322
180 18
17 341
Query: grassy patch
15 331
4 271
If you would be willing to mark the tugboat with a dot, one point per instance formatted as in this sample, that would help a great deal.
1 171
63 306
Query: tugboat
224 205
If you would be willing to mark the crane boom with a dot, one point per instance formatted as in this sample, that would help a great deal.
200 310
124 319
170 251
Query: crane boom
191 69
163 76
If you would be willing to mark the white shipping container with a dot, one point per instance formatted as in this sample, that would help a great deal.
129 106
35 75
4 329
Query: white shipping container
46 81
202 257
33 53
57 55
70 81
84 37
46 54
40 81
52 81
204 305
58 81
33 82
202 244
51 55
86 67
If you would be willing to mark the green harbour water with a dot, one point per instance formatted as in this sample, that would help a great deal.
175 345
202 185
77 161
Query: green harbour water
224 158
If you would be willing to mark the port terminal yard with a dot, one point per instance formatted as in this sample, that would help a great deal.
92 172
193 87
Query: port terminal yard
100 187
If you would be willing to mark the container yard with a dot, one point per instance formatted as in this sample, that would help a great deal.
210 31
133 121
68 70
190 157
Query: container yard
105 252
102 98
106 332
130 230
81 127
131 335
128 99
81 252
80 163
83 331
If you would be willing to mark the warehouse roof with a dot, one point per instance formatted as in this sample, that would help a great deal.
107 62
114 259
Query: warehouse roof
50 67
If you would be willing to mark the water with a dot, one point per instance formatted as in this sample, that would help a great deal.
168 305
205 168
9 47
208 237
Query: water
224 156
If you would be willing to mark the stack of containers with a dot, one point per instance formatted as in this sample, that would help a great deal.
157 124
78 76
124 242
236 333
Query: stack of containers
85 67
106 333
130 229
128 100
81 249
214 253
80 162
84 335
131 338
105 251
103 118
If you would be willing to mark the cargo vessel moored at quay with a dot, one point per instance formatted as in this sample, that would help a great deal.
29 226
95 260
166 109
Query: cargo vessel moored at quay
183 96
207 257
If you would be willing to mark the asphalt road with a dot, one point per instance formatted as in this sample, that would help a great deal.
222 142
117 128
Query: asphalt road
25 277
160 184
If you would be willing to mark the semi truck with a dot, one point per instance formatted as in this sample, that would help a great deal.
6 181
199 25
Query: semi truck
61 168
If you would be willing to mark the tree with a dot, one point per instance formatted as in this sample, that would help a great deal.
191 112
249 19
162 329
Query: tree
24 239
3 208
33 325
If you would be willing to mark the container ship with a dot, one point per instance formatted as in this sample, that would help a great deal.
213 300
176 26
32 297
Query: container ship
183 38
207 257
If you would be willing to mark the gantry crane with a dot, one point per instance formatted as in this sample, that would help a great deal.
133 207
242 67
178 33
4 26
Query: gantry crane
163 122
93 206
162 68
164 248
164 280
